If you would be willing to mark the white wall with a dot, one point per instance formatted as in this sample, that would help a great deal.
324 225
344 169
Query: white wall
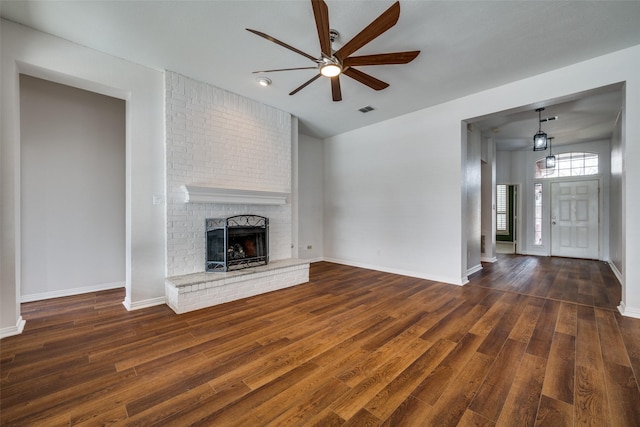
393 189
393 196
40 55
310 178
488 171
219 139
73 190
503 167
473 186
616 236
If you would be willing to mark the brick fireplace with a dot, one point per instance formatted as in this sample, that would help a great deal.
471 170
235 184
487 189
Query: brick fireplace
226 155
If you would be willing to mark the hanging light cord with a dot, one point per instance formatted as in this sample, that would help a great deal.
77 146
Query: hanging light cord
540 119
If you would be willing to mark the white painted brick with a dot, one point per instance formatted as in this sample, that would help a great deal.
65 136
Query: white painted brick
221 289
221 139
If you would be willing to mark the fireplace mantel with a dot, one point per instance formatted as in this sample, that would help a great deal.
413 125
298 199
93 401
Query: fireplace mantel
206 194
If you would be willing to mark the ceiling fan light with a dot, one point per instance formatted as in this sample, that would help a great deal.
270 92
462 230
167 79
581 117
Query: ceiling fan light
540 141
330 70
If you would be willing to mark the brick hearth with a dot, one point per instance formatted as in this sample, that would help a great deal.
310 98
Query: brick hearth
199 290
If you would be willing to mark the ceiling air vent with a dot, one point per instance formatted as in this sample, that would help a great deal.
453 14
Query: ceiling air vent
366 109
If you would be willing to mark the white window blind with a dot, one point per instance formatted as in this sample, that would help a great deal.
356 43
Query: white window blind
502 207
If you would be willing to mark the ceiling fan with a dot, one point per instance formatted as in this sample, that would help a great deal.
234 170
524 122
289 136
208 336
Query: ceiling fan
332 63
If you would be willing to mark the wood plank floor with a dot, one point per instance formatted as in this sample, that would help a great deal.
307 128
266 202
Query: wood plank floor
578 281
529 341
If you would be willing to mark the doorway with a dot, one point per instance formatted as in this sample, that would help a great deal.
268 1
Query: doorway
506 218
575 219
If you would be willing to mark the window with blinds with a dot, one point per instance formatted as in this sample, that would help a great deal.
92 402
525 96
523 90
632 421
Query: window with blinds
502 209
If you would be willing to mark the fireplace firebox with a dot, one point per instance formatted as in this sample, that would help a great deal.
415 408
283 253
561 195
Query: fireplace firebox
237 242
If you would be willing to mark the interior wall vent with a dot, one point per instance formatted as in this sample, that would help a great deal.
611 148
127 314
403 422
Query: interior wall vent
366 109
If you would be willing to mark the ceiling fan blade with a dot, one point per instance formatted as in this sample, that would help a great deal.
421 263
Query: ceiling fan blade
381 59
285 69
381 24
365 79
336 93
283 44
305 84
321 14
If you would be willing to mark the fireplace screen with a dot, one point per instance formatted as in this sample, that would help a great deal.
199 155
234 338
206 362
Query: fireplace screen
237 242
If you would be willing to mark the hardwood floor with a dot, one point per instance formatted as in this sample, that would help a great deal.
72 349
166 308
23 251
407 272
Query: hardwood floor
579 281
528 342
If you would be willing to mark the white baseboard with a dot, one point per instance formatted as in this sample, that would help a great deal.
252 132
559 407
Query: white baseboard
312 260
13 330
69 292
474 269
400 272
629 311
615 271
532 253
137 305
486 259
622 308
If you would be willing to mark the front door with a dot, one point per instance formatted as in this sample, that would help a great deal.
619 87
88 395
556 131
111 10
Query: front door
575 219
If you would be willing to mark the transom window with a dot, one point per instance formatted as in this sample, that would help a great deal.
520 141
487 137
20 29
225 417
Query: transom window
569 164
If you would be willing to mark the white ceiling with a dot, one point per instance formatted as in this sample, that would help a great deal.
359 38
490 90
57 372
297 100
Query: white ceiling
466 47
582 117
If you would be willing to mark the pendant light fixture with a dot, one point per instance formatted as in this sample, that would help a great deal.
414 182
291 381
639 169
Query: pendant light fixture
550 161
540 138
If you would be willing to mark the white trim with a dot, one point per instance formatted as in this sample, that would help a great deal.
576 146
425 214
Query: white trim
474 269
534 253
487 259
615 271
13 330
400 272
151 302
70 292
629 311
206 194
